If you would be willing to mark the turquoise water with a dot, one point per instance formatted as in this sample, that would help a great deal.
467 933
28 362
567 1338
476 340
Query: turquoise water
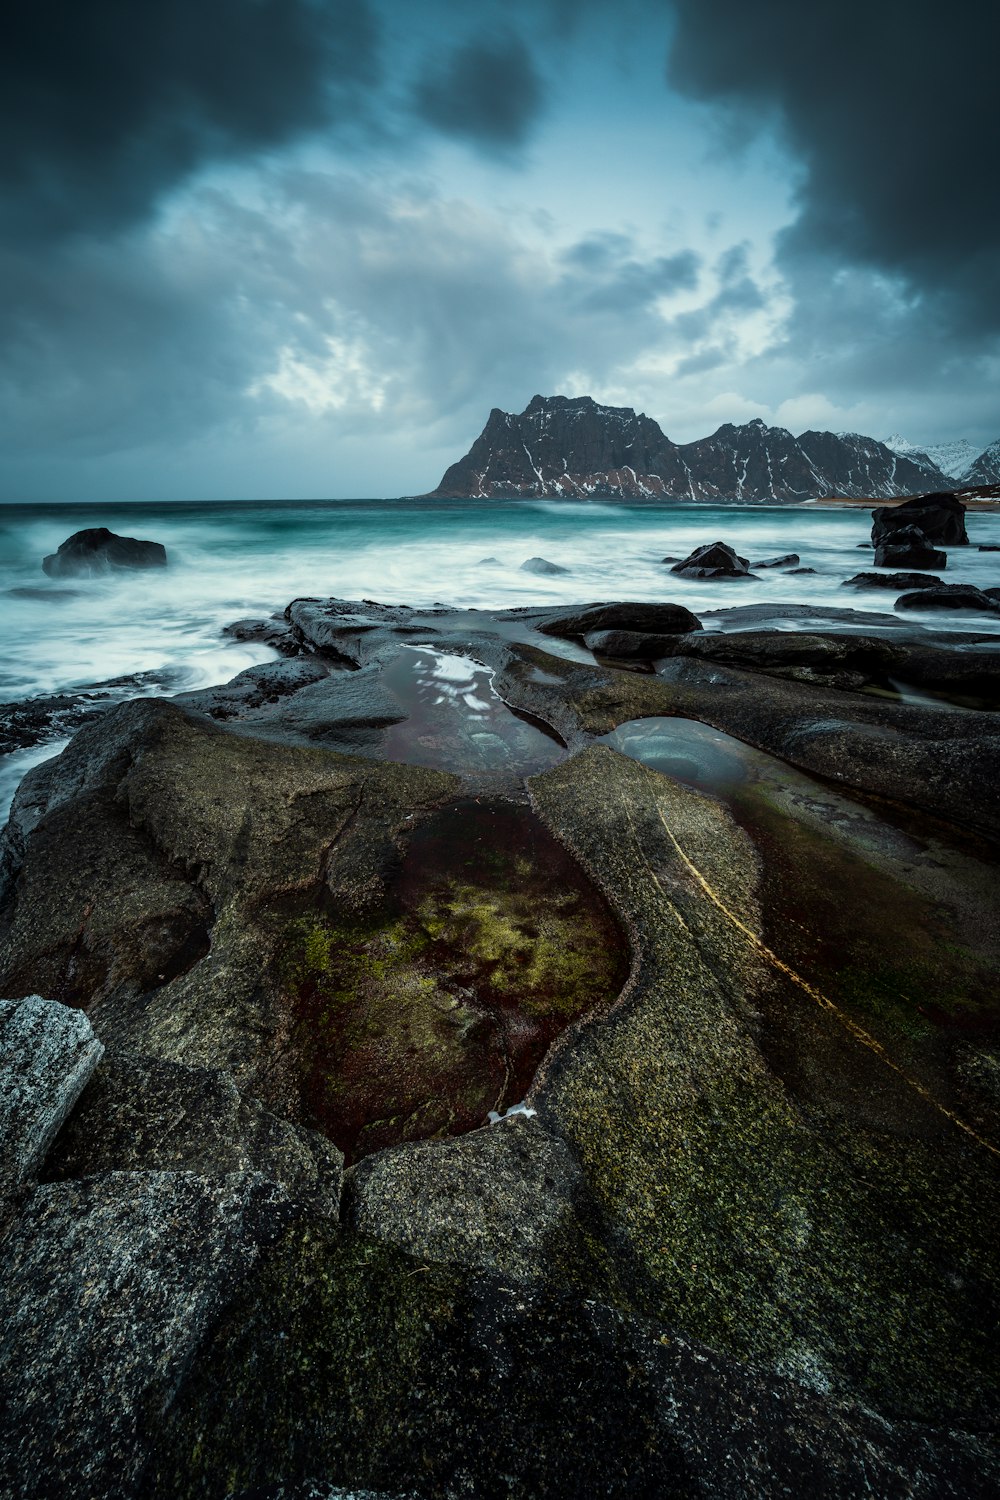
230 560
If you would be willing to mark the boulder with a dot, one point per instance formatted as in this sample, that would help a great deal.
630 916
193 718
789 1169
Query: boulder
98 550
800 570
941 518
963 596
893 581
715 560
47 1054
660 619
790 560
628 645
983 547
542 567
908 547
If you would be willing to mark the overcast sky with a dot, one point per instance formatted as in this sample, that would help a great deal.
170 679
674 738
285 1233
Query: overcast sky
263 248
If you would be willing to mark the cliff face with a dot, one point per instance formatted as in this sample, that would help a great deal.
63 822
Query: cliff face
564 446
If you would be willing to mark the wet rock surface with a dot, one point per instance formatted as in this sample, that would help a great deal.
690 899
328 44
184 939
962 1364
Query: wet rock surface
740 1238
35 721
655 619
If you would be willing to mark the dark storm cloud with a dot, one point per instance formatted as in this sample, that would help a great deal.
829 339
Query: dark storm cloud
615 281
891 110
106 104
487 91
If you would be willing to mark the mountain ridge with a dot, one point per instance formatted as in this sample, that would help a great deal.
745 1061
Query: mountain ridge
575 447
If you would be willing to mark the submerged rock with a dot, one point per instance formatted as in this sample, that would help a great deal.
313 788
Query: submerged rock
715 560
789 560
892 581
542 567
98 550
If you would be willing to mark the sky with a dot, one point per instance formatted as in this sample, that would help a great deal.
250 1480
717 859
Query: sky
300 248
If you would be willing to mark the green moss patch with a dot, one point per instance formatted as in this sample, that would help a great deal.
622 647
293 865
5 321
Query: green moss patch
420 1022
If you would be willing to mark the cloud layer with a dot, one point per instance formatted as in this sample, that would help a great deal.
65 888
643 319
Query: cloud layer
890 110
107 105
244 240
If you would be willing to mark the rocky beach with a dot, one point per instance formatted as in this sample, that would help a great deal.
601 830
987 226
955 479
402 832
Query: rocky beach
537 1050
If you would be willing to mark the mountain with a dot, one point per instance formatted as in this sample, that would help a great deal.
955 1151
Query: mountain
986 469
572 446
953 459
960 460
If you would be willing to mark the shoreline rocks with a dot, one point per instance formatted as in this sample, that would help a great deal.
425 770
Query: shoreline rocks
729 1252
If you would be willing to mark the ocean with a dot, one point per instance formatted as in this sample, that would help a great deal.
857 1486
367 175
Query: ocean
235 559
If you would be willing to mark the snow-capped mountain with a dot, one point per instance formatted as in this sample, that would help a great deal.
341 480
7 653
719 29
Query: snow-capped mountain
953 459
572 446
986 468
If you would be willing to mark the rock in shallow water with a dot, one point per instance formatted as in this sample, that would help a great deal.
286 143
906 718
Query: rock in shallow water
542 567
697 1249
892 581
940 517
959 596
908 547
98 550
789 560
715 560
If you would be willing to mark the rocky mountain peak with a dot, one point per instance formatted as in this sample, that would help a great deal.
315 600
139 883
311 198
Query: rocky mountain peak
573 446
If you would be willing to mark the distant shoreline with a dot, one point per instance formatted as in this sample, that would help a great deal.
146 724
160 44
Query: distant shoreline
847 502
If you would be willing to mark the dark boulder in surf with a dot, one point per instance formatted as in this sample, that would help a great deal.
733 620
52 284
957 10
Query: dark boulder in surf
893 581
98 550
715 560
940 517
542 567
908 547
961 596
